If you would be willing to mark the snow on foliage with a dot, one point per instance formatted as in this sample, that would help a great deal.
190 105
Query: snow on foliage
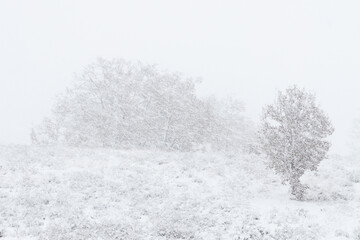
62 193
120 104
294 131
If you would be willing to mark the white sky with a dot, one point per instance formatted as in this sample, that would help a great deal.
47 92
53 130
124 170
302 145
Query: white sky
248 49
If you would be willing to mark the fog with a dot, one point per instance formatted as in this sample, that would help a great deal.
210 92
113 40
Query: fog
246 49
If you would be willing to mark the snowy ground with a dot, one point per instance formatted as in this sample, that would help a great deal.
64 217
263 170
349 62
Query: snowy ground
58 193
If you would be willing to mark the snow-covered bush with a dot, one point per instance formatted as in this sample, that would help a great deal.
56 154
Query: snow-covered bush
125 105
294 131
355 176
251 230
357 233
71 193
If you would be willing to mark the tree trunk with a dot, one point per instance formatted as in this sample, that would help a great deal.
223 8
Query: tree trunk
297 189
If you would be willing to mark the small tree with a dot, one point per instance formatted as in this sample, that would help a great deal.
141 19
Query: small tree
294 131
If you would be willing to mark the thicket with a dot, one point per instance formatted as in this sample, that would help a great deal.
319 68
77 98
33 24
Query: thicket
120 104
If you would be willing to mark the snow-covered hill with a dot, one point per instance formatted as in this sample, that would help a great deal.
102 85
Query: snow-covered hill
59 193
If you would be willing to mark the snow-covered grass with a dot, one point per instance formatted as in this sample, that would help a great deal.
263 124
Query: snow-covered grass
60 193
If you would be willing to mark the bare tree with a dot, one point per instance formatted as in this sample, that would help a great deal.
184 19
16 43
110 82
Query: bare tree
294 131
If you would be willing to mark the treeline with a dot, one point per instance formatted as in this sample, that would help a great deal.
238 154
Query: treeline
120 104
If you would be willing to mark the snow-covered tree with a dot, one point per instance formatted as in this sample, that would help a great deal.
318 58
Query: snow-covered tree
294 136
230 129
121 104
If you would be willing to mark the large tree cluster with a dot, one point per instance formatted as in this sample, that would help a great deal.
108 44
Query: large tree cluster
121 104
